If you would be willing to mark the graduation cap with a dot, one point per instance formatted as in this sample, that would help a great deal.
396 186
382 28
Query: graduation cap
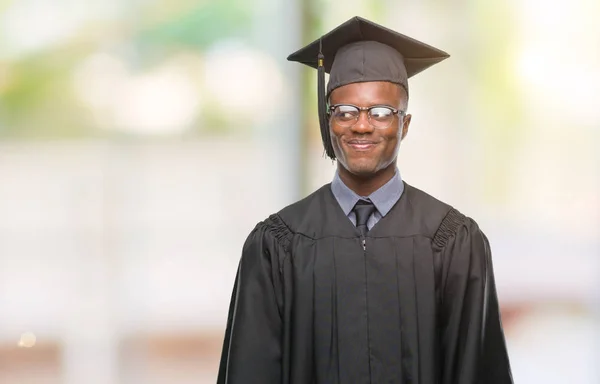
359 51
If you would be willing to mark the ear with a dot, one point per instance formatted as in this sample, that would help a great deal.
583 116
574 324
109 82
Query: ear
405 125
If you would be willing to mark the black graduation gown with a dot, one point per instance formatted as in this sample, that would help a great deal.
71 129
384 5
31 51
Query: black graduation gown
417 306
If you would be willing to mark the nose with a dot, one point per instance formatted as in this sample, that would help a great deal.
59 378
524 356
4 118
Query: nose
362 124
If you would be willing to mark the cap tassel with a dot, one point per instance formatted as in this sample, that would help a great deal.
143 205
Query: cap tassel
323 115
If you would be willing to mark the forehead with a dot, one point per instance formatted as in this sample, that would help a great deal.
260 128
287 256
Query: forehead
367 93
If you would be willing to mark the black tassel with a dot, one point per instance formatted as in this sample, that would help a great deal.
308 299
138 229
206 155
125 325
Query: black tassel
323 115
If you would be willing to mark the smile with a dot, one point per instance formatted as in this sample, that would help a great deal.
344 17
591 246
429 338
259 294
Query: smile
360 145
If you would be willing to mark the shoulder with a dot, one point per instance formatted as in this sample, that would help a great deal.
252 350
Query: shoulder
280 227
425 204
426 213
305 216
441 220
267 246
310 202
271 231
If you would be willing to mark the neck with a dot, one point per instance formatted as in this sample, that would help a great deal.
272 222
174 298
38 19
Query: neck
364 185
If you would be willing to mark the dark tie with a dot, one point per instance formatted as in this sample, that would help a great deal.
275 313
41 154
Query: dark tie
363 210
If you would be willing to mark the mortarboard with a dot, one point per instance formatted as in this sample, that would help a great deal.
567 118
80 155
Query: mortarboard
359 51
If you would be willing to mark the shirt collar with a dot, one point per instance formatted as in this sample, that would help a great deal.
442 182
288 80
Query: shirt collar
384 198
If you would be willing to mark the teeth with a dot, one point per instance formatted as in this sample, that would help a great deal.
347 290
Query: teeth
361 146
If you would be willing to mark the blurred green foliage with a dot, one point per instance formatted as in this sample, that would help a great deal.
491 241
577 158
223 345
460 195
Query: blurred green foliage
198 26
37 99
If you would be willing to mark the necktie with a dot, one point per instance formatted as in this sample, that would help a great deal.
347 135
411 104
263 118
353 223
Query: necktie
363 210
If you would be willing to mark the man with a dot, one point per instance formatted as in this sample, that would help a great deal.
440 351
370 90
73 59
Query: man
368 279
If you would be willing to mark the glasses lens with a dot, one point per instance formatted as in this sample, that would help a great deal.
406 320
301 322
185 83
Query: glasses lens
345 115
381 117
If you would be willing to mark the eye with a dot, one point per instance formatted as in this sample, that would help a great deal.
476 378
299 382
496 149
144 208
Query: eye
345 113
381 113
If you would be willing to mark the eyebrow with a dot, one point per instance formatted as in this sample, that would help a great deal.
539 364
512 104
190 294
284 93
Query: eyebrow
372 102
378 102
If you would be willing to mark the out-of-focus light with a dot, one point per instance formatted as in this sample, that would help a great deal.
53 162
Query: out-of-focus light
98 79
246 84
163 101
27 340
560 84
27 26
558 66
31 25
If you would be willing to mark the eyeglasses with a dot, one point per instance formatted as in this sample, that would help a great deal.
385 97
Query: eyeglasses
379 116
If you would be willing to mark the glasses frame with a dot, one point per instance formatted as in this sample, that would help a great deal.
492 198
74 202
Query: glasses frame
395 112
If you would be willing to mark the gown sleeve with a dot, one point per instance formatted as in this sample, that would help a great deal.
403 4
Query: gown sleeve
473 344
252 347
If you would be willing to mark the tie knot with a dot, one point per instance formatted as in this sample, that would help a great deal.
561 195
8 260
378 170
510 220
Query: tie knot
363 210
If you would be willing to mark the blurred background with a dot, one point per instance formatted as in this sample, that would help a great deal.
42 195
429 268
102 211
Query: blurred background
142 140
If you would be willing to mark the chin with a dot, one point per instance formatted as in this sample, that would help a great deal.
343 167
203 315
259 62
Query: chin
361 167
365 167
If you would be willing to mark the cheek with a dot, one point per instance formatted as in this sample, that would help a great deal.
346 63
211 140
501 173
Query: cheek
336 136
392 137
336 142
335 131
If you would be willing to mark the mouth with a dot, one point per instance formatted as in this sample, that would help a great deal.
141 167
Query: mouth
361 145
